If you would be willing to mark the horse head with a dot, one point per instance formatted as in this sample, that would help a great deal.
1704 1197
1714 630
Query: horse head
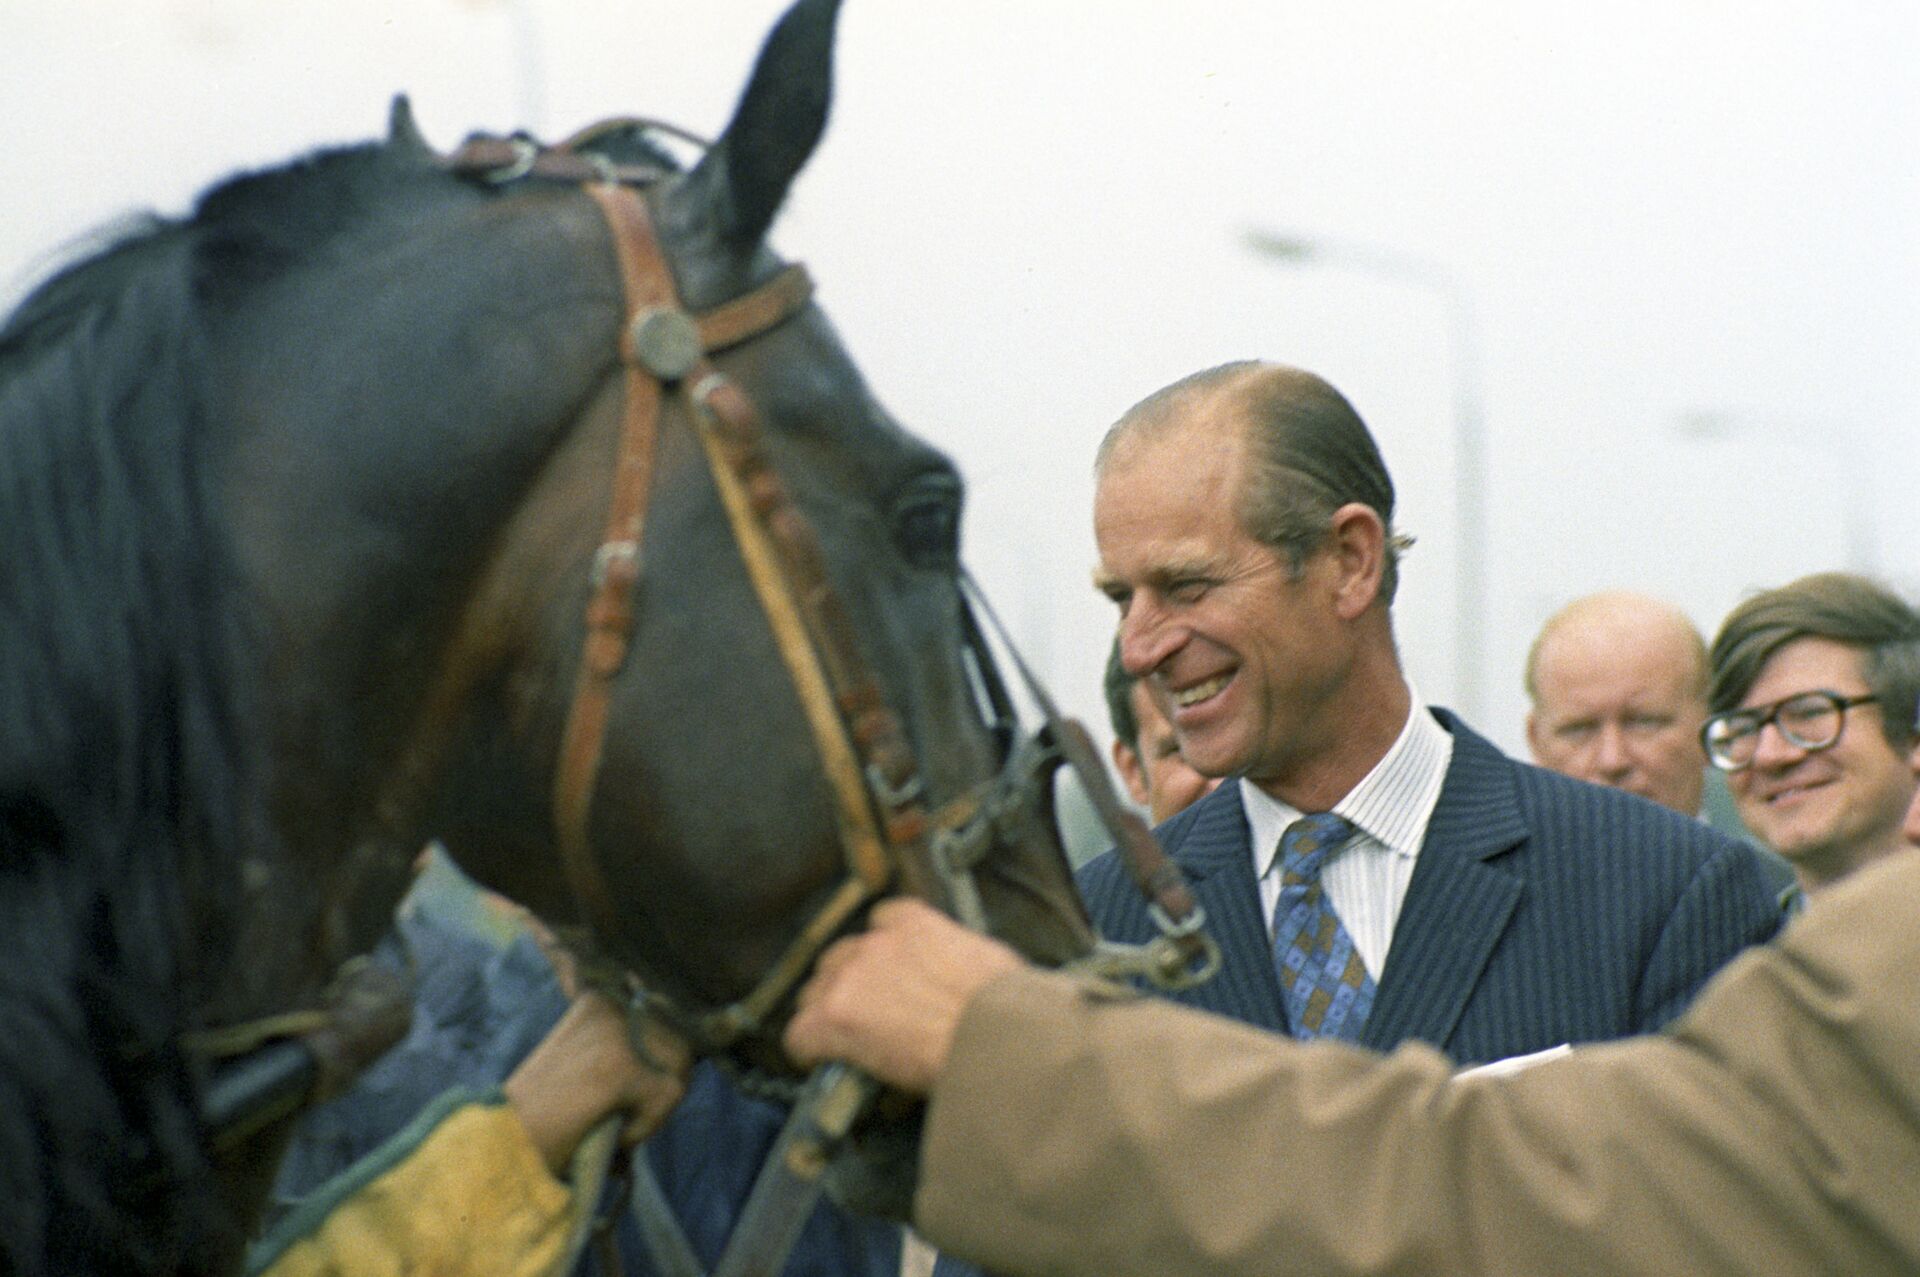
429 417
313 497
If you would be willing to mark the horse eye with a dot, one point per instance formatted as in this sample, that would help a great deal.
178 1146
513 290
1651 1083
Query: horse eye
926 521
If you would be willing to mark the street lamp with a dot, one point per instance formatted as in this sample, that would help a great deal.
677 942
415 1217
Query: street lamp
1470 453
1710 425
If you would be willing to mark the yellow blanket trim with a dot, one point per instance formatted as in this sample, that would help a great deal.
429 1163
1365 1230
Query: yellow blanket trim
472 1197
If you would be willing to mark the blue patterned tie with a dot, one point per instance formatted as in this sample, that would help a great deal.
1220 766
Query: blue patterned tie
1326 985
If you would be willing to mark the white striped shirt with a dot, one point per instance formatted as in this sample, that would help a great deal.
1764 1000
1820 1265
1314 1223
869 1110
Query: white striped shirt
1366 878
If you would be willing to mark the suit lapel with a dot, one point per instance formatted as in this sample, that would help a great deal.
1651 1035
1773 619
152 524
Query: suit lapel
1219 867
1458 903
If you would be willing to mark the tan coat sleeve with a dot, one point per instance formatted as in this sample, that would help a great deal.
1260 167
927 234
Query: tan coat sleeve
1775 1129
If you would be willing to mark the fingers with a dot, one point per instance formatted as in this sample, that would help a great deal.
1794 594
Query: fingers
816 1031
889 1000
650 1102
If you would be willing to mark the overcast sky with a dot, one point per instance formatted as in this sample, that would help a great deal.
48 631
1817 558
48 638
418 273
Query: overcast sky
1660 253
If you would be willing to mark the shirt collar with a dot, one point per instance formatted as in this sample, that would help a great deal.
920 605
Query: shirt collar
1392 805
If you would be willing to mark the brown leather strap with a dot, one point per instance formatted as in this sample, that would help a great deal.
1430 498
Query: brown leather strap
658 344
648 286
869 767
733 322
783 575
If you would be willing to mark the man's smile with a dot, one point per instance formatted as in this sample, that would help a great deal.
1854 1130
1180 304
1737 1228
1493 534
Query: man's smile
1188 697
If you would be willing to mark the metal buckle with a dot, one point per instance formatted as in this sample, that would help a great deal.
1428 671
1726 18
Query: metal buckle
1163 961
665 341
890 796
611 552
525 152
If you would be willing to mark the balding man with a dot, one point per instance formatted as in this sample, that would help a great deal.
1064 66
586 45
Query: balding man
1618 683
1373 870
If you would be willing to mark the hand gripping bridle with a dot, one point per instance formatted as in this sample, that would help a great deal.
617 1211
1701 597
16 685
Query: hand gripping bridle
890 838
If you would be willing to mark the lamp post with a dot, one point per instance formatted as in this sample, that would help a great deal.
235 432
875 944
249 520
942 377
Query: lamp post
1856 508
1470 453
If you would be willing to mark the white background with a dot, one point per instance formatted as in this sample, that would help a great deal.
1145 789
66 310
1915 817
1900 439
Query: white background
1029 213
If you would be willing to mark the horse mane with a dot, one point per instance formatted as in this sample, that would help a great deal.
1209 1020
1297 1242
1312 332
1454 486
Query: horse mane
132 792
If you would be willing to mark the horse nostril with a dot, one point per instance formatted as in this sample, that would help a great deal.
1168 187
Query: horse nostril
926 521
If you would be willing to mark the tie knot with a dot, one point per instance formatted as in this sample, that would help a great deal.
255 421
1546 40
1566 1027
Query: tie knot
1305 844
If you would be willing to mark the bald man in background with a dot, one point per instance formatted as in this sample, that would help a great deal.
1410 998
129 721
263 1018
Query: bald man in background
1618 686
1618 683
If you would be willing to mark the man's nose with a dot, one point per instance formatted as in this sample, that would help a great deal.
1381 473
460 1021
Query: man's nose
1610 751
1147 636
1771 749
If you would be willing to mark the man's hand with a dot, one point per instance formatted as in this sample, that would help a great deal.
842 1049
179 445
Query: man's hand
890 999
587 1067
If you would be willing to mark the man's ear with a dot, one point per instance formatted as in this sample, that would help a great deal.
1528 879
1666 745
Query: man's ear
1126 761
1534 731
1358 540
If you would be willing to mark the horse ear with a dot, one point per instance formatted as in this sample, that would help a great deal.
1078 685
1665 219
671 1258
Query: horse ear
743 179
402 132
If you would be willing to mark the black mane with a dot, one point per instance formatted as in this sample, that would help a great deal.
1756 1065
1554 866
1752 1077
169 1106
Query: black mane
131 789
133 792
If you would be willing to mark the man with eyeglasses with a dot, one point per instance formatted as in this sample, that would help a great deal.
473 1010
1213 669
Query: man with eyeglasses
1812 702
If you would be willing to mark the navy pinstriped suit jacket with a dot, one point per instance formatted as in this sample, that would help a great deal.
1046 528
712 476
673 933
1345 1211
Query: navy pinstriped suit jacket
1542 910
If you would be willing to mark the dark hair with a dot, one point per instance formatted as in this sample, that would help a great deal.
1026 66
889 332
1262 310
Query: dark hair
129 793
1118 685
1838 606
1310 453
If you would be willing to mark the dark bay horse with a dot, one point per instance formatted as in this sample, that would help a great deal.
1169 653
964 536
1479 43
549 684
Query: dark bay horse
305 499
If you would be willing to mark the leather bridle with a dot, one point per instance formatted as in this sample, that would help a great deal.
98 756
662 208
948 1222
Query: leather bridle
871 772
890 838
266 1070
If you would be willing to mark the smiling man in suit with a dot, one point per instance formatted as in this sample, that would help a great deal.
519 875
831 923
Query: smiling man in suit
1374 870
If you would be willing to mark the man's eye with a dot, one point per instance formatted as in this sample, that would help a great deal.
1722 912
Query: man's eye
1574 733
1190 590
